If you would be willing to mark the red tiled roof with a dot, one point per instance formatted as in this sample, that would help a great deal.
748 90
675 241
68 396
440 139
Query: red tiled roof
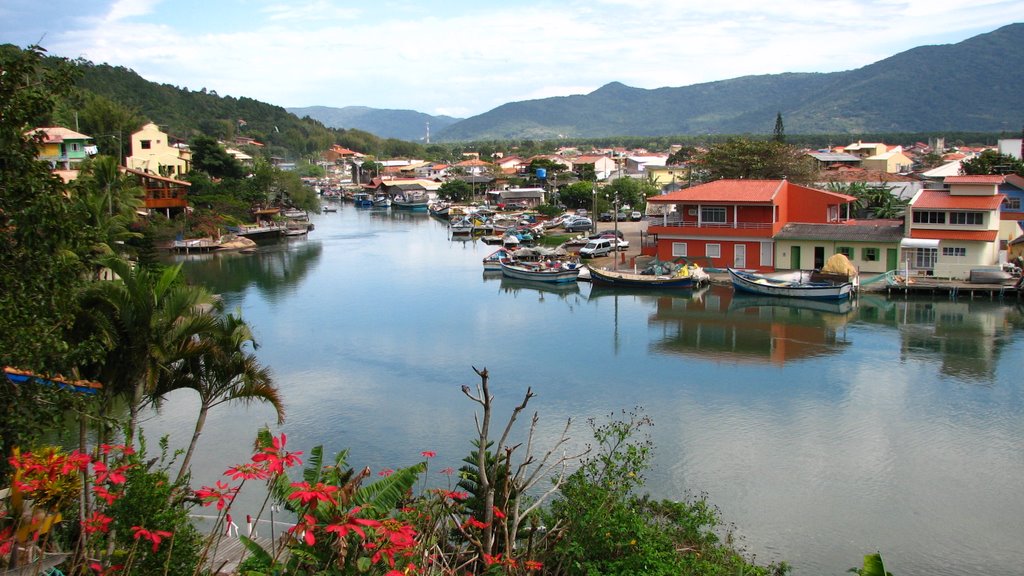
943 200
728 191
977 179
968 235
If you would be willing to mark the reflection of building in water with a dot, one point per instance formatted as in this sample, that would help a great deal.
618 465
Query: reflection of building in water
966 337
724 326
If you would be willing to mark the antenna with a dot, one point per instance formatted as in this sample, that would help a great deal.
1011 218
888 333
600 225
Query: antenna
428 132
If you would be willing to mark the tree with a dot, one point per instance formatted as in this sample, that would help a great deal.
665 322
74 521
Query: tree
456 191
578 195
210 157
779 134
221 371
151 319
756 159
992 162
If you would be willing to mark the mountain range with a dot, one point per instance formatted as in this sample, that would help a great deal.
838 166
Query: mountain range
973 85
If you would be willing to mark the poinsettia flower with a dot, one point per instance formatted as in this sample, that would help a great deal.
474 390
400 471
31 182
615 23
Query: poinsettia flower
103 474
386 472
448 471
275 457
105 494
154 536
498 513
428 453
473 522
352 523
222 494
305 529
97 522
319 493
533 565
248 471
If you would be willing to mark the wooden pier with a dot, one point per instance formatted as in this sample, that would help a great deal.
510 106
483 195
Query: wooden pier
927 286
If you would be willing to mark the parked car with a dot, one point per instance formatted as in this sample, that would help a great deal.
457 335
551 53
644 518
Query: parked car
579 225
611 233
605 217
636 215
595 248
622 216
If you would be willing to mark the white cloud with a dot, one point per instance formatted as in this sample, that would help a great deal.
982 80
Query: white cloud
465 60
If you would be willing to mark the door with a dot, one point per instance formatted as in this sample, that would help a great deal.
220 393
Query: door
892 259
740 256
819 257
794 262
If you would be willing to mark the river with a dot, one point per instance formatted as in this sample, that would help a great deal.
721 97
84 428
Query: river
821 433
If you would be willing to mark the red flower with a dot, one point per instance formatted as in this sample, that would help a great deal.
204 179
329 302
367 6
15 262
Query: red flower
116 476
105 494
276 457
319 493
223 494
533 565
122 448
247 471
154 536
498 513
110 570
474 523
455 495
448 471
305 529
428 453
394 537
386 472
352 524
97 523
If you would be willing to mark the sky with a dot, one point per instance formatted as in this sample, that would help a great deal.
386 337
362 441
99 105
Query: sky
461 58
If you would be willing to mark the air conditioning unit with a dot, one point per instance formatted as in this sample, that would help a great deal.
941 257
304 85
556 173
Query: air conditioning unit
692 211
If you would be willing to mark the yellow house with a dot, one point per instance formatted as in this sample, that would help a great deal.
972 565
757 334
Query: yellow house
665 175
892 162
153 153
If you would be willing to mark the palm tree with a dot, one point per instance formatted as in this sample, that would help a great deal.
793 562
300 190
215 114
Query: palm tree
151 320
223 371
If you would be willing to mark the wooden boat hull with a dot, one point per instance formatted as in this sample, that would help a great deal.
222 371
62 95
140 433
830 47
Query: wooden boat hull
755 284
632 280
540 274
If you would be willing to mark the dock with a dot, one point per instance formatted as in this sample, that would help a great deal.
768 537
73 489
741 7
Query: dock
955 289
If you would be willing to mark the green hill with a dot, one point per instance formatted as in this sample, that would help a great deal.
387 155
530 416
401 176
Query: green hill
969 86
402 124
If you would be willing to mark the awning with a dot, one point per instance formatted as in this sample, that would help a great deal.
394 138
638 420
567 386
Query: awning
919 243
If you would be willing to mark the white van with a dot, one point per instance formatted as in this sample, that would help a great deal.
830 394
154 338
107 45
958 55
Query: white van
596 247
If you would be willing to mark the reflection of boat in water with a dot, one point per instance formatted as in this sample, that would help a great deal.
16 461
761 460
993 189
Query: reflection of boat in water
769 286
554 272
601 291
512 285
741 301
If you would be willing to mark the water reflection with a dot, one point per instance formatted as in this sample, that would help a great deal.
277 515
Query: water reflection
274 269
722 325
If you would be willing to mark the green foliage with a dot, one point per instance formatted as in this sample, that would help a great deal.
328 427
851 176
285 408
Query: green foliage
210 157
628 191
992 162
608 529
755 159
578 195
41 240
873 566
151 500
456 191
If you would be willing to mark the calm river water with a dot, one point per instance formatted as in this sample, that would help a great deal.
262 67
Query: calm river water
822 435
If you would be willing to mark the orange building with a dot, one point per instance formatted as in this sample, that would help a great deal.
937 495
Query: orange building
733 223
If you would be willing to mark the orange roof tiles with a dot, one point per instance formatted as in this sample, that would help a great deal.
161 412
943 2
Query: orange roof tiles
943 200
976 179
729 191
966 235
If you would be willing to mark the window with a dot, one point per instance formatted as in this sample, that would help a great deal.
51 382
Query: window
928 217
967 218
145 144
713 250
924 258
1011 203
845 251
833 213
869 254
712 214
74 146
958 251
679 249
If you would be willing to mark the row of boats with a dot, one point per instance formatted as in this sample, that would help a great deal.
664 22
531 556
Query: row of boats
554 267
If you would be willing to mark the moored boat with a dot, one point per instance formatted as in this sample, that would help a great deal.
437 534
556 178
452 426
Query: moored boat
554 271
683 277
493 260
758 284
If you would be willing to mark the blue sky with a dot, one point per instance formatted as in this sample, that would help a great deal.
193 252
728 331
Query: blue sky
463 58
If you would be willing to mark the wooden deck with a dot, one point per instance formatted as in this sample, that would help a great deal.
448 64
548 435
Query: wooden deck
230 552
926 286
